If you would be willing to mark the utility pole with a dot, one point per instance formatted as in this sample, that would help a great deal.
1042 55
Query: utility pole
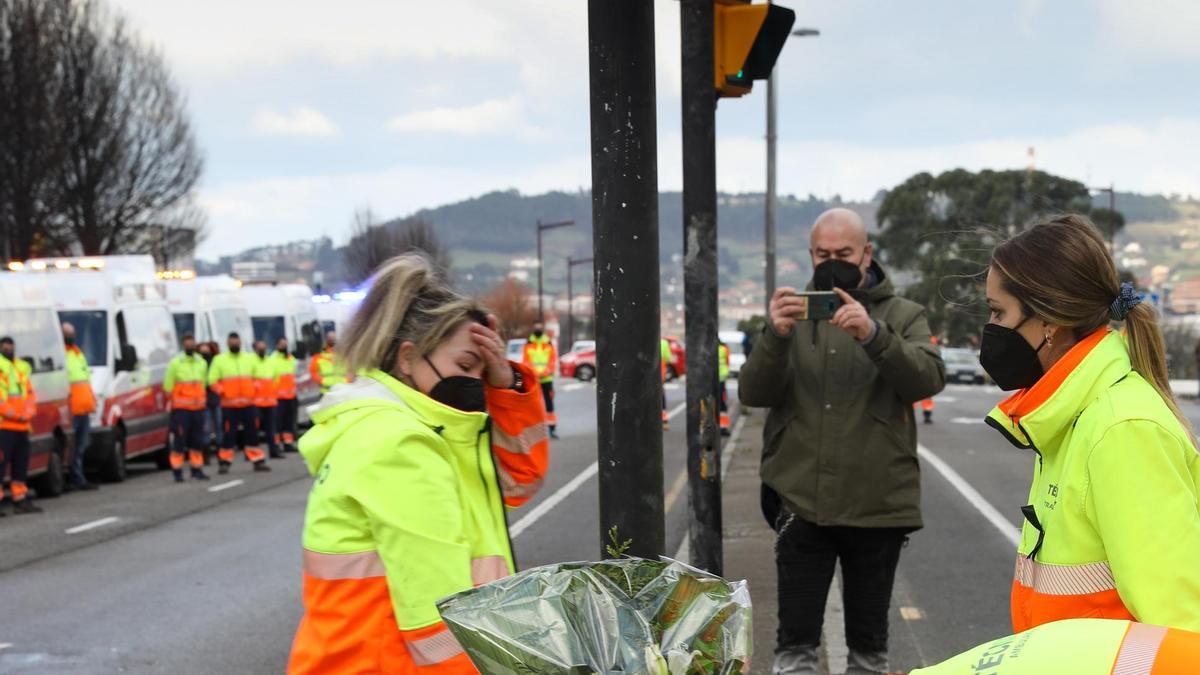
542 227
772 206
700 283
626 273
571 263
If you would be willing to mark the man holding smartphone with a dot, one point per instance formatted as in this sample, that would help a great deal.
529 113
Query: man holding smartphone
841 481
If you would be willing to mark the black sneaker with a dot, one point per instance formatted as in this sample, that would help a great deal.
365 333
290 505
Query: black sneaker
87 487
278 455
224 469
553 433
26 506
261 467
198 474
178 475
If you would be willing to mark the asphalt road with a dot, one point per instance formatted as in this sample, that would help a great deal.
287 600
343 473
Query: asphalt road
149 576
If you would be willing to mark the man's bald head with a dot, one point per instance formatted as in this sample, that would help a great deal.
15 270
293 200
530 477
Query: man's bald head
68 330
839 234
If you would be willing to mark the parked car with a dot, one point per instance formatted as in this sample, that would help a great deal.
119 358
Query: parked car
678 365
516 349
737 355
210 308
962 365
579 363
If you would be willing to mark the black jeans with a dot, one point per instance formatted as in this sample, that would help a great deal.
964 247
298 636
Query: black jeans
805 555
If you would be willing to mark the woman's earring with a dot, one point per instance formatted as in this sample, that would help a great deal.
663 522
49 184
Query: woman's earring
1050 339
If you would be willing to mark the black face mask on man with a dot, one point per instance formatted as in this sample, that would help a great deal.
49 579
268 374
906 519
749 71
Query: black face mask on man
458 391
1009 358
69 341
834 273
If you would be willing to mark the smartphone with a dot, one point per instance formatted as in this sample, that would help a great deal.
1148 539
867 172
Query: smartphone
820 306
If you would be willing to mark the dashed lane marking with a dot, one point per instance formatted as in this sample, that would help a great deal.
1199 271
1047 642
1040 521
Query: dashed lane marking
226 486
92 525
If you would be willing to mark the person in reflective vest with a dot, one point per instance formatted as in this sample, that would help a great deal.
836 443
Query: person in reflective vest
18 406
326 368
722 392
437 410
231 375
664 348
1112 526
286 408
1081 647
265 384
927 404
540 355
184 383
81 401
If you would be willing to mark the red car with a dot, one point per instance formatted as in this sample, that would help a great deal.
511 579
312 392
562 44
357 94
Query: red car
580 362
678 365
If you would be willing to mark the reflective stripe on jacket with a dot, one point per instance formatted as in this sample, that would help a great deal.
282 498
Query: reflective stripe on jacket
19 403
540 355
327 370
377 558
184 382
1081 647
232 376
81 400
285 372
1112 528
265 380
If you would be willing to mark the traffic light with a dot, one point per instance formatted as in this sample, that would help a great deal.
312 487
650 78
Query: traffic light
746 41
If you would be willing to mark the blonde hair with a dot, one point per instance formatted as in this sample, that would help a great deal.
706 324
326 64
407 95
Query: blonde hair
1061 271
408 301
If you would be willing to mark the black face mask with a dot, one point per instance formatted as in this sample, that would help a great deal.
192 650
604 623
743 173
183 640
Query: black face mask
69 341
261 354
1008 358
835 273
189 350
537 333
233 349
458 391
8 355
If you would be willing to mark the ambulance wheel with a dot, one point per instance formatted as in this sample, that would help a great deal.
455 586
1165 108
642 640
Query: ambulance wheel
114 465
50 484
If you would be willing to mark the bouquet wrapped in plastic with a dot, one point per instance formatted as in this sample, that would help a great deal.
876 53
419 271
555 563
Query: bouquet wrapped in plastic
617 616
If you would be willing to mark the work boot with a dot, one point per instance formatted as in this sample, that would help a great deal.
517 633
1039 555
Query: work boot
198 474
178 475
275 454
261 467
928 417
224 468
796 661
553 432
725 432
26 506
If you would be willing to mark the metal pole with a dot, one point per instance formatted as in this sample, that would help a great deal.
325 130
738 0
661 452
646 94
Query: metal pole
700 284
626 272
1112 207
541 313
772 199
570 307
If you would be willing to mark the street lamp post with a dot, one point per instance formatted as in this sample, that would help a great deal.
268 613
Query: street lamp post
571 263
1112 207
772 205
542 227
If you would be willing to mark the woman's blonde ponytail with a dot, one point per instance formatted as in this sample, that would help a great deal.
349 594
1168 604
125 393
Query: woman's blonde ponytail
1147 353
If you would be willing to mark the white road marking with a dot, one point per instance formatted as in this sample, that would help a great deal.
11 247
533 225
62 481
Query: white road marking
671 386
1006 529
92 525
945 399
5 645
911 613
968 420
573 386
554 499
226 486
676 410
684 551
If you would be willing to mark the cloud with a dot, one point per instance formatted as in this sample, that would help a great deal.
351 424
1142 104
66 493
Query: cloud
301 121
1156 30
494 116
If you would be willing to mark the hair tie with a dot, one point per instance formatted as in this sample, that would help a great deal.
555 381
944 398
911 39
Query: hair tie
1126 300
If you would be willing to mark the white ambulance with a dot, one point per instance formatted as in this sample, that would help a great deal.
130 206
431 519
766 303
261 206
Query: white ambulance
123 325
210 308
286 310
335 311
27 316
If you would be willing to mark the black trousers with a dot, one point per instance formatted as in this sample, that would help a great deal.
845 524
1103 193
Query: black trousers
548 398
14 451
266 426
805 555
285 417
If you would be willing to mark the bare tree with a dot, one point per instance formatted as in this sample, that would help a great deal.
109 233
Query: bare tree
509 301
30 131
131 161
372 244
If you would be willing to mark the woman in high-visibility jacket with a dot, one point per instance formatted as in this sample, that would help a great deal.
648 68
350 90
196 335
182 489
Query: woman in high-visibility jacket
1112 529
414 462
1081 647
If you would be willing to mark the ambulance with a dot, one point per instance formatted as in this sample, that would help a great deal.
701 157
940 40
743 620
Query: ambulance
210 308
125 329
286 310
27 316
335 311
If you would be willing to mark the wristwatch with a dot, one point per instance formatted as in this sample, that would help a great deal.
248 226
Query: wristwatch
518 380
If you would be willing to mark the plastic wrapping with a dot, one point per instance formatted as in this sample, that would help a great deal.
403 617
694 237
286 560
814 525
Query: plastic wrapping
617 616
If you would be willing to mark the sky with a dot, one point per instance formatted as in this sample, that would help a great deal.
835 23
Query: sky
308 110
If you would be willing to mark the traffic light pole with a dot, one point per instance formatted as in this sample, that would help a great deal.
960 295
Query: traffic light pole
700 284
571 263
626 269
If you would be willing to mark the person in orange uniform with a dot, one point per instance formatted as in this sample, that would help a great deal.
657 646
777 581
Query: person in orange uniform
18 405
927 404
286 407
265 401
415 461
231 375
184 383
326 368
82 403
541 355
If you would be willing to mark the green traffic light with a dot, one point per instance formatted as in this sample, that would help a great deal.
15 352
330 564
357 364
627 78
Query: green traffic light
739 75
